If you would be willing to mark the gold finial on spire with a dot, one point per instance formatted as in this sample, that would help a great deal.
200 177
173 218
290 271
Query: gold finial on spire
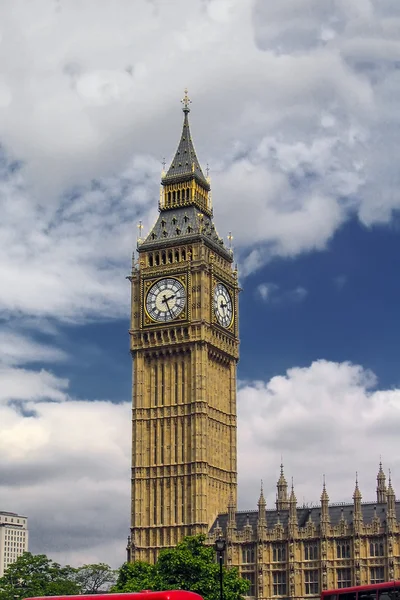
163 162
186 101
230 238
140 229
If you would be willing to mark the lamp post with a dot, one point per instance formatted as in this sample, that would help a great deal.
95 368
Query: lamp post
220 546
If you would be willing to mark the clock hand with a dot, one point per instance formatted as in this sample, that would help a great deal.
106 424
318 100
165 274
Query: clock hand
166 300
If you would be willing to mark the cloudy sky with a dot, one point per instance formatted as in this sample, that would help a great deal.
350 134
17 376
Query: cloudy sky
296 109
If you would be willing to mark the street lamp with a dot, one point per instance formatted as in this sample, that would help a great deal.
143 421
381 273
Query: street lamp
220 546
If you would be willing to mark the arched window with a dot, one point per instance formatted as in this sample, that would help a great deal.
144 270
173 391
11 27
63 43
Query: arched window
279 553
376 548
150 260
310 551
343 550
248 555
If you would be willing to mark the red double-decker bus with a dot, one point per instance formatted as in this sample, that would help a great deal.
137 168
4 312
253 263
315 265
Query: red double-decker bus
145 595
377 591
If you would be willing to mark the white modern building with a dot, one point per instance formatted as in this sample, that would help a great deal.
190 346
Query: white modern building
13 538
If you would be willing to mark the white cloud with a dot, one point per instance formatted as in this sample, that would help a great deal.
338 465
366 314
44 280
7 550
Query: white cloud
322 419
264 290
298 119
18 349
66 464
270 292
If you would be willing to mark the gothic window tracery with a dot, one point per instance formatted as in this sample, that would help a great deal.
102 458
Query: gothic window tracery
248 554
343 578
279 553
376 548
310 551
377 574
279 583
343 550
311 580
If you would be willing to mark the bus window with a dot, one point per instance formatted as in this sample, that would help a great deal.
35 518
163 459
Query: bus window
389 594
347 596
367 595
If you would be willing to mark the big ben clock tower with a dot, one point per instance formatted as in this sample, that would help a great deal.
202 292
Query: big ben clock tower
184 344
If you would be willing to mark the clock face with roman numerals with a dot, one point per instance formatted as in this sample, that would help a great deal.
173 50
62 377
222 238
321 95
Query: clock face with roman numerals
166 300
223 309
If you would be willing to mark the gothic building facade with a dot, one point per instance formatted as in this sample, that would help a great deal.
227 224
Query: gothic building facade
295 552
185 347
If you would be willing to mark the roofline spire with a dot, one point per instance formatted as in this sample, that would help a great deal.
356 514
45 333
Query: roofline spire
185 102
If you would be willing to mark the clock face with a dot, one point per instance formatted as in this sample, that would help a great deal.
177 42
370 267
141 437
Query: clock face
166 300
223 305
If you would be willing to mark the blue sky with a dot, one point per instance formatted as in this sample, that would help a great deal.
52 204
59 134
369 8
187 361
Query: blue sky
295 108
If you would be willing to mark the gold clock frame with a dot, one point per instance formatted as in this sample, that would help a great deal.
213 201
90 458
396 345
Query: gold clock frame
232 295
147 283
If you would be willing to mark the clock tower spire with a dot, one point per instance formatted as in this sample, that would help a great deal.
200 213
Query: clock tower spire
184 345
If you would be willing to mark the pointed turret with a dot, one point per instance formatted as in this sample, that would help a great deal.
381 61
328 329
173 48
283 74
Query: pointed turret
391 503
324 506
231 511
282 502
357 505
184 183
381 490
292 507
357 494
185 203
261 521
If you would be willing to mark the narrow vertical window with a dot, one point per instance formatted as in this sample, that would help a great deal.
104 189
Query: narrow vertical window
176 383
176 500
155 442
183 440
176 441
155 503
162 401
155 384
162 442
183 383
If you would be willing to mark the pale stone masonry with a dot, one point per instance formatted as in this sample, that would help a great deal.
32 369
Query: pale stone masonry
295 552
184 344
13 538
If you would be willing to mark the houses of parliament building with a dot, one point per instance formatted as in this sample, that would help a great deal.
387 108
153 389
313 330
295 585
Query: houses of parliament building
184 339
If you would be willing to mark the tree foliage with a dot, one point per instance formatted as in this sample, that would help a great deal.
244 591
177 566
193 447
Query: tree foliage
94 578
189 566
37 575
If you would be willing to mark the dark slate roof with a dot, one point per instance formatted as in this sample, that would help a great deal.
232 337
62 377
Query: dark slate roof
185 164
184 225
303 514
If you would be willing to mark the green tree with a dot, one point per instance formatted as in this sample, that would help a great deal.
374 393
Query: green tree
37 575
95 578
135 577
189 566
